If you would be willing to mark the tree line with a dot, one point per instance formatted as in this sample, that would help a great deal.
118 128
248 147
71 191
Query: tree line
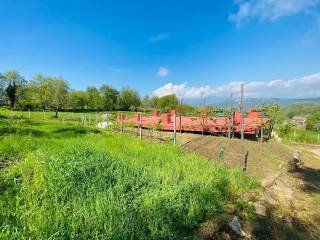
54 93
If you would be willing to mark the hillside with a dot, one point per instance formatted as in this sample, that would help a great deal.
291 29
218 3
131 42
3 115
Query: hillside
286 202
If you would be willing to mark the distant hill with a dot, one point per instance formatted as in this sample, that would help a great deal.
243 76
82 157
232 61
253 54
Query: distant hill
249 102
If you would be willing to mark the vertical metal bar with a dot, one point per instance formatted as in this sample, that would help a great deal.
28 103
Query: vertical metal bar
174 129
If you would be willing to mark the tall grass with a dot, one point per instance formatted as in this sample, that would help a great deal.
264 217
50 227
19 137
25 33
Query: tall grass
71 182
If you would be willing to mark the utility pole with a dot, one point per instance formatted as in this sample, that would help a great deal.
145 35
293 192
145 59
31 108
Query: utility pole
243 154
241 113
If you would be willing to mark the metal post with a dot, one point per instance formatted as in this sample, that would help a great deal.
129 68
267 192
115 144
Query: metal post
174 129
29 113
140 126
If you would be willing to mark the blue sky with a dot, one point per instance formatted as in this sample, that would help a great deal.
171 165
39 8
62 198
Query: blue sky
191 48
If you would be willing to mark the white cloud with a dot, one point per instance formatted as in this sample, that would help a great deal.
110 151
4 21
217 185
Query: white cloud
159 37
163 72
270 9
293 88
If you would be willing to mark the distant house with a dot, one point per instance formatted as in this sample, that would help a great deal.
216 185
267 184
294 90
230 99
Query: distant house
299 121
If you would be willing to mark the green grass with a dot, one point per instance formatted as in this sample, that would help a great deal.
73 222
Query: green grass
66 181
296 134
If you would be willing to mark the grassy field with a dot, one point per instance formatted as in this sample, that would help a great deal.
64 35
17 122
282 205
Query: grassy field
296 134
62 180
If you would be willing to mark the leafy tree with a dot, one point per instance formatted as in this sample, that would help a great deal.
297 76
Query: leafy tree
13 83
284 130
53 93
109 97
274 113
78 100
167 103
313 122
29 99
149 103
129 99
3 97
94 98
186 109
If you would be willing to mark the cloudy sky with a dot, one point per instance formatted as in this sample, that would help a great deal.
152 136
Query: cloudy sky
190 48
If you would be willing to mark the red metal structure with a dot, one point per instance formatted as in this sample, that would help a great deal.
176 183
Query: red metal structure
253 122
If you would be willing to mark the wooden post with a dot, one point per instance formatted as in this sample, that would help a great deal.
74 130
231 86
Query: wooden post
140 127
121 121
174 129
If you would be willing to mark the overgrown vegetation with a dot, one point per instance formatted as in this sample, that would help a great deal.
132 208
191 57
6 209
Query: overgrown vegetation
65 181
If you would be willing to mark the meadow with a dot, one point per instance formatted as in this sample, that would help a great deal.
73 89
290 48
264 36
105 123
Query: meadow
60 179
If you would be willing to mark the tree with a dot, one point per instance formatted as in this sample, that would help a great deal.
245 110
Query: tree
167 103
148 102
13 84
53 93
313 122
109 97
129 99
94 98
29 98
274 113
3 95
78 99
